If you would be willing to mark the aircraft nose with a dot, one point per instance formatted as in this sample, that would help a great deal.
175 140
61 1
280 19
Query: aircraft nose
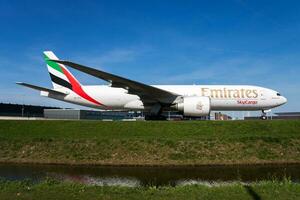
284 100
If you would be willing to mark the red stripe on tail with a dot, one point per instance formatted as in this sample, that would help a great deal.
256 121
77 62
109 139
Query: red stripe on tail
76 87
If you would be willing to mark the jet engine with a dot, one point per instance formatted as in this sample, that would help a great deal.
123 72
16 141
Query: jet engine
194 106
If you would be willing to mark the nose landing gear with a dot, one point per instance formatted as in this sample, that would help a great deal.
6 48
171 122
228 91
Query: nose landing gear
263 115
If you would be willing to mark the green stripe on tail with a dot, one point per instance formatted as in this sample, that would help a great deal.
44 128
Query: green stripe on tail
52 64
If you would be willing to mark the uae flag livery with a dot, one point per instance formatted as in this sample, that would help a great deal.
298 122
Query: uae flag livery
62 78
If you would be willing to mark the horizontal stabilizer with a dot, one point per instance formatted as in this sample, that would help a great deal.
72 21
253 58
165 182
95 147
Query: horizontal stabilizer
41 88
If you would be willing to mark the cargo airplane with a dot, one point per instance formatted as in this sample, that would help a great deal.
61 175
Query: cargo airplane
125 94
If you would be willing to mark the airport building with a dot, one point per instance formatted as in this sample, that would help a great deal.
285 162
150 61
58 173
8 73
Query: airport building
221 116
44 112
279 115
10 111
76 114
287 115
21 110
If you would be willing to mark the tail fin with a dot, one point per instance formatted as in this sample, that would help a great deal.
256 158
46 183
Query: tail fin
60 76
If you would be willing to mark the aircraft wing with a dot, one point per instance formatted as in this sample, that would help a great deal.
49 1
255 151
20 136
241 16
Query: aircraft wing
147 93
41 88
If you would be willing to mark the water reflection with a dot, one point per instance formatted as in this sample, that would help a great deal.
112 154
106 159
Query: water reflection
99 181
150 176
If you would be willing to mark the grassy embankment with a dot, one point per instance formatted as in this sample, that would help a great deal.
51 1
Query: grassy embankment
150 143
52 190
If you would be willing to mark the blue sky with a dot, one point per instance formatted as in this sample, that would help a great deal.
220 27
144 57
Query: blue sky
156 42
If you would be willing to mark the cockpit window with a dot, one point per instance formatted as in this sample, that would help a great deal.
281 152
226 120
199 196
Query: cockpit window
278 94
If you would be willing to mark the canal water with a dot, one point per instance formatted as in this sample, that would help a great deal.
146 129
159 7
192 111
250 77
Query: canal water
150 176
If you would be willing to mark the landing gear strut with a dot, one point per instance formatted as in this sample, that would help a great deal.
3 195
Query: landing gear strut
263 115
155 113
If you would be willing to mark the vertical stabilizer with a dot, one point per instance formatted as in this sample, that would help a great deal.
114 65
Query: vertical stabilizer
62 79
59 74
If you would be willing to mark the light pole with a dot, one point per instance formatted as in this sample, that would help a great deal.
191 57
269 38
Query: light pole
22 110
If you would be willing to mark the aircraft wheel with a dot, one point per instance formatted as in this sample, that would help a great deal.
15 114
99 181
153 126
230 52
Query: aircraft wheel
263 115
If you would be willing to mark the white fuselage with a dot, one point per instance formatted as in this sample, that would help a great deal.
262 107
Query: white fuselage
222 97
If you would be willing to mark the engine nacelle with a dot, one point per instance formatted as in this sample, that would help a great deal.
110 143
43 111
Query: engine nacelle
194 106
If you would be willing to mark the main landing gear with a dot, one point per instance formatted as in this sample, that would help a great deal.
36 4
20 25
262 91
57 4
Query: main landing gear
263 115
155 113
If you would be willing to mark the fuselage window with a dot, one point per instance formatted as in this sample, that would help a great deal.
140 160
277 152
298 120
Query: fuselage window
278 94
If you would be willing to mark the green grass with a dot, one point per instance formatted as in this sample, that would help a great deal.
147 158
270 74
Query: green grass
150 143
55 190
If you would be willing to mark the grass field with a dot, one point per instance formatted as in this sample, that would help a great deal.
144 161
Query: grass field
150 143
55 190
